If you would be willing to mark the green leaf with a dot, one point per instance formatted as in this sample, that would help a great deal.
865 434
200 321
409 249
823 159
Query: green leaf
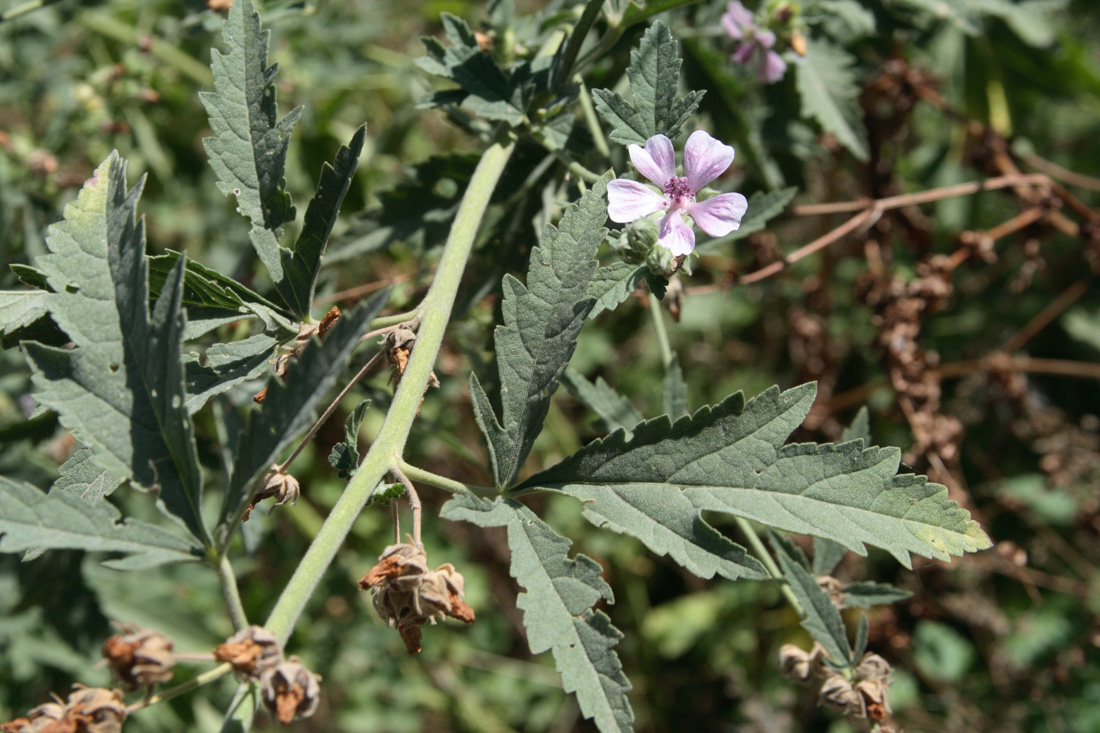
30 519
248 150
940 652
82 477
763 207
345 454
490 92
541 324
302 265
827 555
860 429
557 607
656 106
121 390
730 458
613 284
846 19
674 396
212 299
820 617
1083 325
291 405
614 410
227 365
830 95
869 593
19 308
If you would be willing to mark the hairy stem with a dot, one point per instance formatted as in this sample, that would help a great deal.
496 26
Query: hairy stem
435 315
228 581
440 482
659 327
765 557
208 676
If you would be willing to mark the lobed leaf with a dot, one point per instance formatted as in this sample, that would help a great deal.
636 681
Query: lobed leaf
31 519
291 406
655 106
559 593
121 389
227 365
345 454
730 458
829 94
541 322
820 617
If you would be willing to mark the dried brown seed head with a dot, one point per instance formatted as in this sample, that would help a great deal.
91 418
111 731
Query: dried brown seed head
837 693
251 651
794 662
290 690
93 710
140 658
278 484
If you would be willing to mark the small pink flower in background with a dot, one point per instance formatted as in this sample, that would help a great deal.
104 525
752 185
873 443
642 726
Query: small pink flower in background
738 22
704 160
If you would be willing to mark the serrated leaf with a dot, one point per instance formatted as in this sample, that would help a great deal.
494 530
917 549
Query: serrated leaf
212 299
61 520
763 207
383 493
248 150
226 365
830 95
557 607
541 322
865 594
614 410
121 390
730 458
20 308
655 106
819 616
613 284
291 405
489 91
345 454
303 263
674 395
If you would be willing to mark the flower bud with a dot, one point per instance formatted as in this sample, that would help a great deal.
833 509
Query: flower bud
251 651
290 690
140 658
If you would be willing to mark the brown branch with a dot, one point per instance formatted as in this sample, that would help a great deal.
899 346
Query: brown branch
1063 174
1045 316
818 244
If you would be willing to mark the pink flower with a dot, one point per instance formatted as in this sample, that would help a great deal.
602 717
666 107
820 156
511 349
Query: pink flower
738 22
704 160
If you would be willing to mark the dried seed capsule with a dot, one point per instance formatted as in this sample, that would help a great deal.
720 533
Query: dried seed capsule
290 690
251 651
95 710
794 662
140 658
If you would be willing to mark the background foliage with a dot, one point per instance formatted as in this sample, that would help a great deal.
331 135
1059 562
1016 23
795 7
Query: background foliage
893 97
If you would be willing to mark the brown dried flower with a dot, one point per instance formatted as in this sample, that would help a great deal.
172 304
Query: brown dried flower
408 595
139 658
290 690
95 710
278 484
305 333
251 651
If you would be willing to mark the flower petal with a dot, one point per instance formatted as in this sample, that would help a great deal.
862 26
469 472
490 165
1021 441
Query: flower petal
676 235
704 159
772 68
737 19
765 38
630 200
720 215
743 53
657 161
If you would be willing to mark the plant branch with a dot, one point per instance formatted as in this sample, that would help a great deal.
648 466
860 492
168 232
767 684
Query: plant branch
765 557
228 581
440 482
924 197
659 327
208 676
414 504
1045 316
865 217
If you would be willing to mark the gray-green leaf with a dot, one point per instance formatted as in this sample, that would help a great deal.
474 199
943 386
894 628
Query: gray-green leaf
613 283
829 94
121 390
656 106
557 607
865 594
345 454
730 458
614 410
819 616
541 323
19 308
227 365
60 520
674 396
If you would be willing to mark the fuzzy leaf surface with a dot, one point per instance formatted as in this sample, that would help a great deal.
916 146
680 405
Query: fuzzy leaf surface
867 593
674 396
655 106
730 458
291 406
613 283
226 365
31 519
541 322
303 263
345 454
19 308
121 390
614 410
559 593
248 150
820 617
829 94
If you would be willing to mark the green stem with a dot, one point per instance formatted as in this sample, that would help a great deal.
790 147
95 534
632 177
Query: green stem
659 327
208 676
166 52
395 320
228 581
440 482
769 562
27 7
578 170
591 119
390 442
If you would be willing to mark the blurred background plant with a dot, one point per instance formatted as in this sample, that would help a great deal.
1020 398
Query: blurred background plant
969 325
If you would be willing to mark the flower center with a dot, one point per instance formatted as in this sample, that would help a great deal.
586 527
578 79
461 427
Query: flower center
679 193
